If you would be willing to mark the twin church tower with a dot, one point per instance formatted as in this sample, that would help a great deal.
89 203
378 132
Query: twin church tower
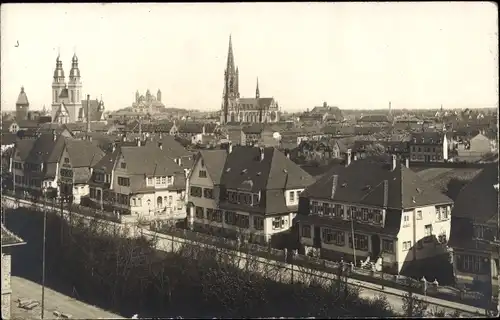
67 103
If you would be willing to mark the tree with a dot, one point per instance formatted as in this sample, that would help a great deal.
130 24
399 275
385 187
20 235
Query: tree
412 305
374 149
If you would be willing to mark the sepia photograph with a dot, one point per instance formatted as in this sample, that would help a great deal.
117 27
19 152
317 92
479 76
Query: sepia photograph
249 160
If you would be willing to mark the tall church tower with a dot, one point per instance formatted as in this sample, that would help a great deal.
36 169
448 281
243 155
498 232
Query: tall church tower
74 91
231 91
58 84
22 106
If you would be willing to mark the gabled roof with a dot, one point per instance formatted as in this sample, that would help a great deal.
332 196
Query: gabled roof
8 138
46 149
214 161
96 109
428 137
400 188
24 146
478 200
169 145
83 153
244 169
149 160
107 162
190 127
374 118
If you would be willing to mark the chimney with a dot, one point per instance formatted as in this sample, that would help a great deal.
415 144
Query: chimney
88 113
124 138
407 162
261 151
230 147
348 158
355 157
393 162
180 161
54 135
160 135
138 142
160 145
113 147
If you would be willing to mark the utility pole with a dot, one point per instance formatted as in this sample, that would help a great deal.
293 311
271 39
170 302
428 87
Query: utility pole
43 254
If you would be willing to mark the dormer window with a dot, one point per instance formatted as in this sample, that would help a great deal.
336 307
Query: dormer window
123 165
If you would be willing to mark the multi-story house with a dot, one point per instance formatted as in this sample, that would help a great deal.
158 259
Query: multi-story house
258 133
77 159
245 191
474 228
396 219
193 131
9 240
428 147
139 181
35 162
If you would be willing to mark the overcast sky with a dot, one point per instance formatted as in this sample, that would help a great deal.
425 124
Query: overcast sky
352 55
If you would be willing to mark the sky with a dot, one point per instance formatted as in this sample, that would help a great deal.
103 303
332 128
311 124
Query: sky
350 55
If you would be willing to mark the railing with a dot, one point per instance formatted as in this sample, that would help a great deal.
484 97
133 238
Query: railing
374 277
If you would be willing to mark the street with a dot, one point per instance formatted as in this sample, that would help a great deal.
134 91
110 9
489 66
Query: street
54 301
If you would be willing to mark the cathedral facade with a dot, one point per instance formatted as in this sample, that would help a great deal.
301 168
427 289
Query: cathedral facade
235 109
67 104
148 103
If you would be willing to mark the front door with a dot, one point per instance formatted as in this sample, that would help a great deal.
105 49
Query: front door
375 246
427 158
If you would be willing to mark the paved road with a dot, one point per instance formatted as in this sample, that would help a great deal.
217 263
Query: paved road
26 289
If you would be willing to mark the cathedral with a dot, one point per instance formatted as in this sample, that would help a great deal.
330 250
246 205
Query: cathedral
244 110
148 103
67 103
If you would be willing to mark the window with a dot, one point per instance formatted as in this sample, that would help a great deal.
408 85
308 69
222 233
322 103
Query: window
472 264
170 180
196 192
123 165
388 246
125 182
214 215
202 174
150 181
279 223
199 212
406 245
170 200
360 241
242 221
258 223
159 202
306 231
230 217
158 180
444 213
428 233
333 237
419 215
292 196
208 193
163 180
406 220
66 160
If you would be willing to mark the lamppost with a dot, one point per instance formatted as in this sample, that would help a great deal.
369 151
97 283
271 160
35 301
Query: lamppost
43 251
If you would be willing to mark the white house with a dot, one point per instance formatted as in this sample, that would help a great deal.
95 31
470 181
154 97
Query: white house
396 218
245 191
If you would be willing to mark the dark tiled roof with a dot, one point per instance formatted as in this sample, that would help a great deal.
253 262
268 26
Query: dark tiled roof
254 128
214 161
83 153
190 127
374 118
27 124
108 161
478 200
8 138
397 189
265 103
169 145
427 138
244 170
338 130
46 149
149 160
24 147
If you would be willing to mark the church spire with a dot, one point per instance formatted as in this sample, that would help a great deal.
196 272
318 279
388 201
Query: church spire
230 57
257 92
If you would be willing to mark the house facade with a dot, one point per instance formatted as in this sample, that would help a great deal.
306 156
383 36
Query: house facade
429 147
474 229
248 192
75 168
140 181
395 218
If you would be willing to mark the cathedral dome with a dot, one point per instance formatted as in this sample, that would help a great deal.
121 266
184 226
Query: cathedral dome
75 58
58 72
74 72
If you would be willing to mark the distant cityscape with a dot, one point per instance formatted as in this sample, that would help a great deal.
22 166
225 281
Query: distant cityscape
407 193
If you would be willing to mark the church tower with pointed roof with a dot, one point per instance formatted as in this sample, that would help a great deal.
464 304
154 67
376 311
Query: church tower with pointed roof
74 103
58 85
22 106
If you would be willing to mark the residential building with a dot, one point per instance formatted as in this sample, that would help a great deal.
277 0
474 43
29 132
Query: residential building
428 147
322 114
9 240
249 110
143 182
397 219
9 126
77 159
35 162
474 225
260 134
245 191
194 131
319 150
